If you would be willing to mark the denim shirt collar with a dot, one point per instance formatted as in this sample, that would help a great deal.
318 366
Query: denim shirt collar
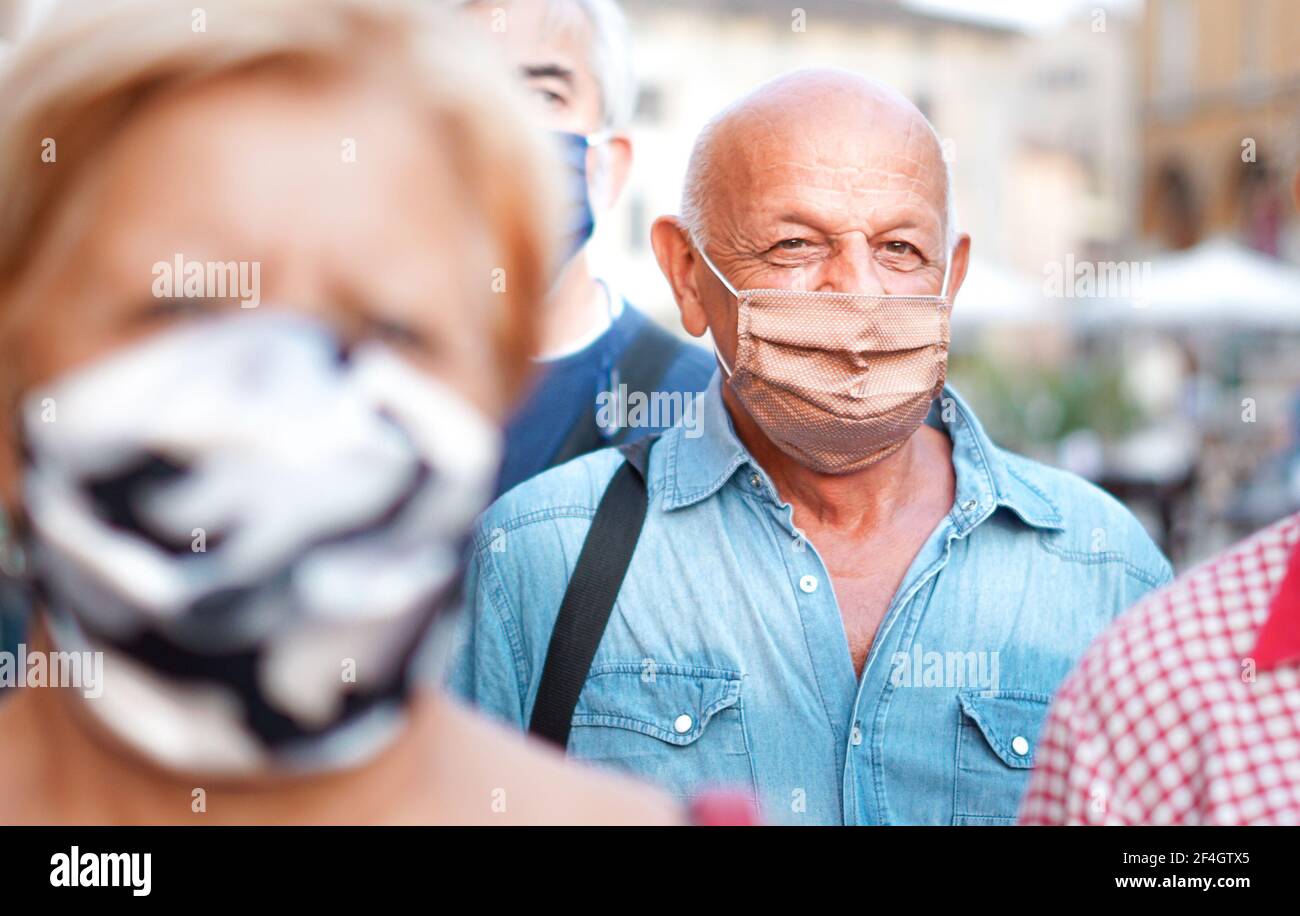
698 467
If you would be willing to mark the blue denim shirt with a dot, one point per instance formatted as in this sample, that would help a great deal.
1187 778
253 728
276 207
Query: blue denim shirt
725 661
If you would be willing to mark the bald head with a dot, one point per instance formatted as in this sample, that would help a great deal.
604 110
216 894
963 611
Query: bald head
820 180
836 129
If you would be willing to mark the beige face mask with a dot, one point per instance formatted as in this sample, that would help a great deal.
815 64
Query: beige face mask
837 381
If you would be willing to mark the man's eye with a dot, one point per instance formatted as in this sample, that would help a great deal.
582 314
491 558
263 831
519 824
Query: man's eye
549 98
791 244
901 248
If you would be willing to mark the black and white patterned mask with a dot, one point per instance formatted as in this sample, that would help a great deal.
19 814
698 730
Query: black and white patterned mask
256 525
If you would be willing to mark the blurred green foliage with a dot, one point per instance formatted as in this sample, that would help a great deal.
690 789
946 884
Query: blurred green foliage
1027 407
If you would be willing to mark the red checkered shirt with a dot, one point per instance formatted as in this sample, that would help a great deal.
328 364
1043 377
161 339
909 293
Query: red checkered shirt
1187 709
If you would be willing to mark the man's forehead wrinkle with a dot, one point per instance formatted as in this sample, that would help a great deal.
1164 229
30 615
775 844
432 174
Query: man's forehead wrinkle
803 138
834 213
857 182
929 162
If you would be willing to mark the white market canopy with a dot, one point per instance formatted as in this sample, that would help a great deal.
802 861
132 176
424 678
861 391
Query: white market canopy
1219 283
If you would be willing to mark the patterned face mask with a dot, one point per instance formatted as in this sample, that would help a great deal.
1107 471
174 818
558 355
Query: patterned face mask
256 526
837 381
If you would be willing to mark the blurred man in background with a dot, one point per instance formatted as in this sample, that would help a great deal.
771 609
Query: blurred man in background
574 60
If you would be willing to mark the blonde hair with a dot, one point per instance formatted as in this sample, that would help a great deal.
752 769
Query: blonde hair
82 78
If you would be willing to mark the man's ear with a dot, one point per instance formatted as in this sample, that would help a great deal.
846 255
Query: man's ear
612 166
957 268
676 257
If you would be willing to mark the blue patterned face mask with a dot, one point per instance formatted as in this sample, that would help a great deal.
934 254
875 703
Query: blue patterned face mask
256 526
581 222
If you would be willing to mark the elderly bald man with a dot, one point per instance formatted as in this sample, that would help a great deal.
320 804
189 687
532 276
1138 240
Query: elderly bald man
845 600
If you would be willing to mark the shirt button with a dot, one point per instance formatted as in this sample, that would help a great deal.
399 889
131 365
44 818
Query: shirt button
970 504
683 724
754 481
808 584
1020 745
856 738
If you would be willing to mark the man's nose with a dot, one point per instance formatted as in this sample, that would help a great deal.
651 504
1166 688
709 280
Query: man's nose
851 269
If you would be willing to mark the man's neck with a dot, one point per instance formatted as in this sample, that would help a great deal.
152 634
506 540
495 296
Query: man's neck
577 309
859 501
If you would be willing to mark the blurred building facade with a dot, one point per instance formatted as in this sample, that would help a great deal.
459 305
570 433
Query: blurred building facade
1221 122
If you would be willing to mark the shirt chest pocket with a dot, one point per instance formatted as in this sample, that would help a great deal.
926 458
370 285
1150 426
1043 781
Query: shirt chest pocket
680 727
996 739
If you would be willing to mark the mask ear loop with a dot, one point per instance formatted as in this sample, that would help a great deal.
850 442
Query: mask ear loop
731 289
947 272
943 295
721 362
594 141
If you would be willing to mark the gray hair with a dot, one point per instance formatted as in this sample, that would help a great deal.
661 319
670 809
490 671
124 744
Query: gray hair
701 172
611 61
609 55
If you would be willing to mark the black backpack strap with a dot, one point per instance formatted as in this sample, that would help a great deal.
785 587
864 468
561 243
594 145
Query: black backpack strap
641 366
589 598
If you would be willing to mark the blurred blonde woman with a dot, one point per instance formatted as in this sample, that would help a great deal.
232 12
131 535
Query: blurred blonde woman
268 281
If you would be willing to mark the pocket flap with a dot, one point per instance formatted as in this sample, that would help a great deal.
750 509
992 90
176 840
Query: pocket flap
673 703
1010 721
